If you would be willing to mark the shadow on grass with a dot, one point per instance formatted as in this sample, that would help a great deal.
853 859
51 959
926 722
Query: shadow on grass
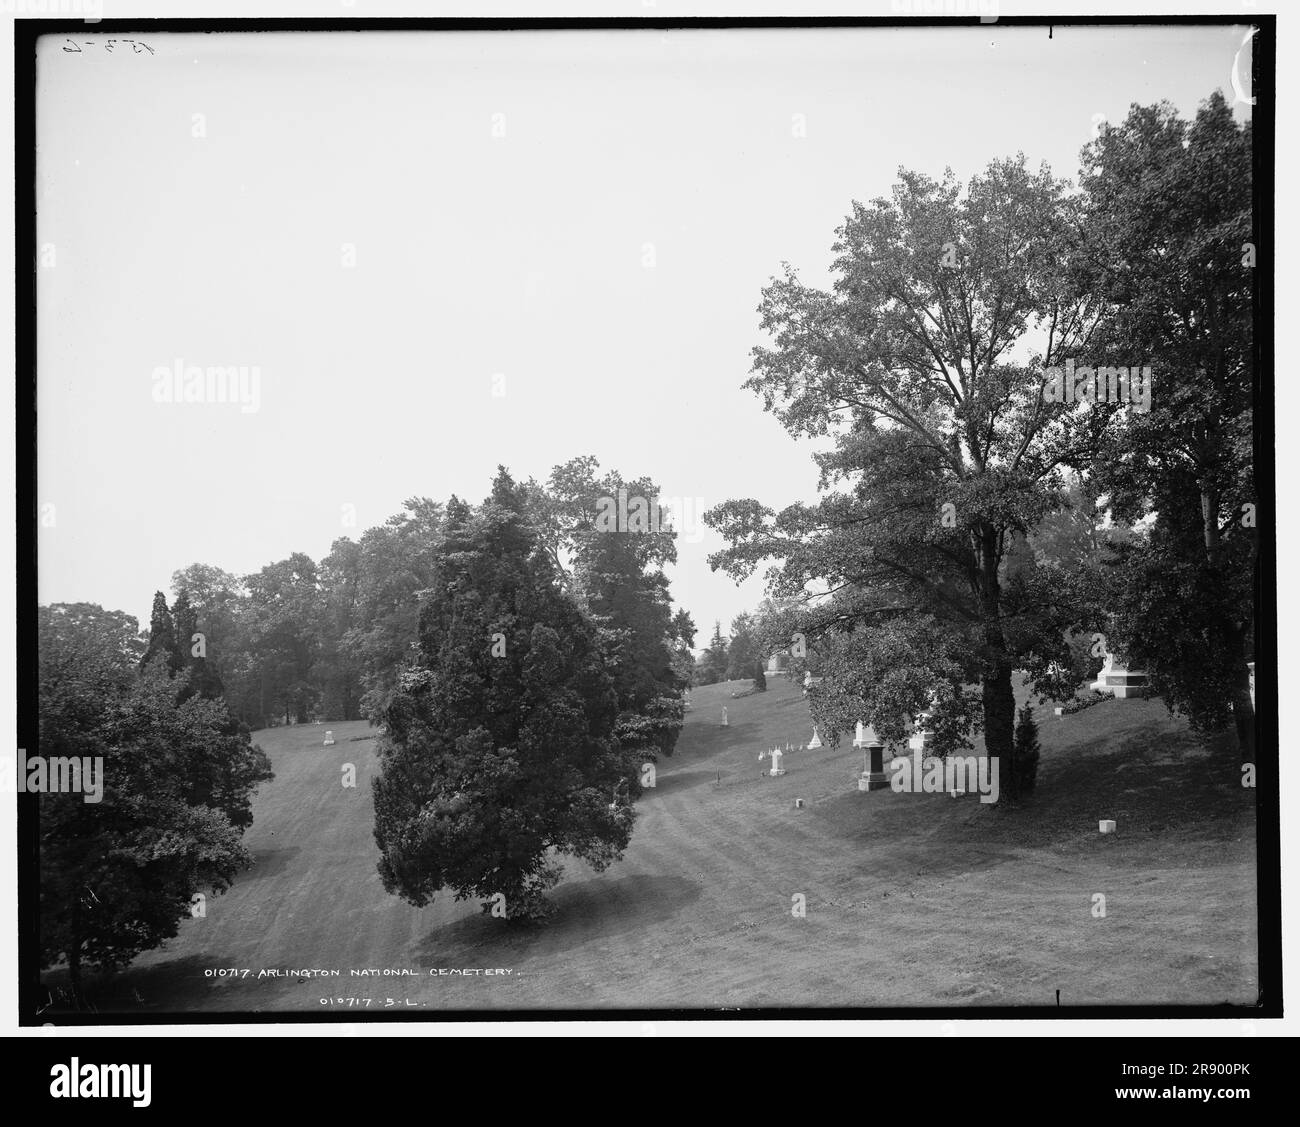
599 906
1168 786
679 781
1172 785
269 863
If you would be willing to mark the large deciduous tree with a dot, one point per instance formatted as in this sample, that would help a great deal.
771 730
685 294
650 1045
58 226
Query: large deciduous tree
338 669
614 568
924 363
397 561
1172 250
117 875
284 609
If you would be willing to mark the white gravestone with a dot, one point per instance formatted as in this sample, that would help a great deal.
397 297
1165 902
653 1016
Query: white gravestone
816 741
724 717
329 739
776 755
1115 678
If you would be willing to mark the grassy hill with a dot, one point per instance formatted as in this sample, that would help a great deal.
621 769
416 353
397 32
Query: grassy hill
911 899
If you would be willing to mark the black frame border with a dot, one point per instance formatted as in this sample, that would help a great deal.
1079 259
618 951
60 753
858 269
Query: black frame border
1268 841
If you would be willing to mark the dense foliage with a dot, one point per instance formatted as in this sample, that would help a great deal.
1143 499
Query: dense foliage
118 874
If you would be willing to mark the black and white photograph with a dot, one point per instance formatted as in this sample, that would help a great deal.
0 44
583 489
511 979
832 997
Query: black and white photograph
646 516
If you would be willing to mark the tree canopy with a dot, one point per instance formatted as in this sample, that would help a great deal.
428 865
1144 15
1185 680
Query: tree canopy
117 875
501 747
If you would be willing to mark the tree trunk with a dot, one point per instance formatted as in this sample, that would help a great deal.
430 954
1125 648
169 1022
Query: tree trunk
1000 727
999 698
1210 521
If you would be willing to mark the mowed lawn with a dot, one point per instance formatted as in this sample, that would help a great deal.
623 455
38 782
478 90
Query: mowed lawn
912 900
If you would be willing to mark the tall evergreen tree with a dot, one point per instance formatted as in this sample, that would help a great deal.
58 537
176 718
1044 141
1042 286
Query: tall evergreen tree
221 608
743 648
191 643
712 666
683 638
500 748
1026 747
162 637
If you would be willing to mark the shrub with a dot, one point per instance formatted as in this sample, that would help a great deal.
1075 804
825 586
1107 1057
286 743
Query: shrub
1026 749
1078 704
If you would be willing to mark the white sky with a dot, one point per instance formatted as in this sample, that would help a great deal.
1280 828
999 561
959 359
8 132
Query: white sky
476 255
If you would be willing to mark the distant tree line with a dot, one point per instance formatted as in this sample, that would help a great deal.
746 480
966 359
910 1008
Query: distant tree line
743 653
300 640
